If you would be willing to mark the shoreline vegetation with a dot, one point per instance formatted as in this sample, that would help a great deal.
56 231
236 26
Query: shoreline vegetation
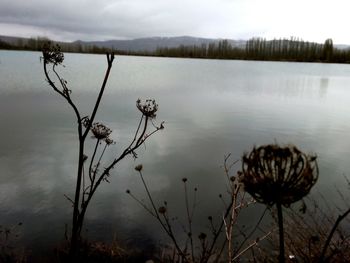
291 50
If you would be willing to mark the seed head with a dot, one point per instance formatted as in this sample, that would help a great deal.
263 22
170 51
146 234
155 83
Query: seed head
100 131
148 108
109 141
274 174
202 236
162 210
138 167
52 54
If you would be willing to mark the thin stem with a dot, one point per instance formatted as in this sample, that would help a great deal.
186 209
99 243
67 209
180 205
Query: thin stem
103 152
149 195
110 58
252 232
143 205
229 229
281 233
98 165
329 238
172 237
167 225
189 220
76 213
217 234
143 132
137 131
91 163
83 195
251 245
70 102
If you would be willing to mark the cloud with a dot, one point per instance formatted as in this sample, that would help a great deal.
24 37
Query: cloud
123 19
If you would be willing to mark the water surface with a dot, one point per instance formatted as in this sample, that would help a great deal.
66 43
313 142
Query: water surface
210 108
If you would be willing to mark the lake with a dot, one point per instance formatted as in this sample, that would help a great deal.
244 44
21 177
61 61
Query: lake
210 107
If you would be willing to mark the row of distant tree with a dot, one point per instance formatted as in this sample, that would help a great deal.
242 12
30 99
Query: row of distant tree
261 49
36 44
255 49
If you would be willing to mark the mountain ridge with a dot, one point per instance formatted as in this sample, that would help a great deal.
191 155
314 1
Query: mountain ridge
149 44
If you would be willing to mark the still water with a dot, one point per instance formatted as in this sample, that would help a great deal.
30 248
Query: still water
210 108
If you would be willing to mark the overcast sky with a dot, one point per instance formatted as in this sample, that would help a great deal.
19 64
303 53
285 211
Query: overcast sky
68 20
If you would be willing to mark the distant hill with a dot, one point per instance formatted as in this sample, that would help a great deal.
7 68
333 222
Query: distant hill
10 40
139 44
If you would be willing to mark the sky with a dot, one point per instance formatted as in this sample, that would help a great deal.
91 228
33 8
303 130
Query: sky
70 20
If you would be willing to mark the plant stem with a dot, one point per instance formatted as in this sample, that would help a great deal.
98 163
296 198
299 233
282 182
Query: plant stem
329 238
189 219
281 233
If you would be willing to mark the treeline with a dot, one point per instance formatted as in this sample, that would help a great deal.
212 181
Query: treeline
292 49
36 44
220 50
261 49
295 50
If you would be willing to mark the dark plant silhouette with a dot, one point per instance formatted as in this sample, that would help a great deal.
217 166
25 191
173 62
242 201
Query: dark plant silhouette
90 170
8 252
278 175
335 242
207 245
311 227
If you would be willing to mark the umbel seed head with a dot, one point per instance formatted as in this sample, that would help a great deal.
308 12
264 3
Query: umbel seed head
100 131
274 174
52 54
148 108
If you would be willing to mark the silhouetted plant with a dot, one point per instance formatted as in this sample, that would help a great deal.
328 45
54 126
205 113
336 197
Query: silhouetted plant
278 175
307 229
88 181
208 245
8 252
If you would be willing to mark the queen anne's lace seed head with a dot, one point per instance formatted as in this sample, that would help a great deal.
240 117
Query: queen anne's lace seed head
109 141
100 131
52 54
148 108
274 174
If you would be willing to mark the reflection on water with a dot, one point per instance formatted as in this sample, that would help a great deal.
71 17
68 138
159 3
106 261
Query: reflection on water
324 82
211 108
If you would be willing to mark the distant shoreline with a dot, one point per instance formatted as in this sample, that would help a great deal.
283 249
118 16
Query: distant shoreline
255 49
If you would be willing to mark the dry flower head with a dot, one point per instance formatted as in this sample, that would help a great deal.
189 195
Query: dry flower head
274 174
148 108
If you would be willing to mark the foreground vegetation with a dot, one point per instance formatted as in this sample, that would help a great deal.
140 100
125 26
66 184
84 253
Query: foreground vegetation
293 49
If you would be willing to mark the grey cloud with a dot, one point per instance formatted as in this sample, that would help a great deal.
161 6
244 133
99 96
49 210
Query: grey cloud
106 19
118 19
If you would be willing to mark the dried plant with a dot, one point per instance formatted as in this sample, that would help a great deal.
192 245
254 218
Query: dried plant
97 170
207 245
307 228
278 175
8 251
